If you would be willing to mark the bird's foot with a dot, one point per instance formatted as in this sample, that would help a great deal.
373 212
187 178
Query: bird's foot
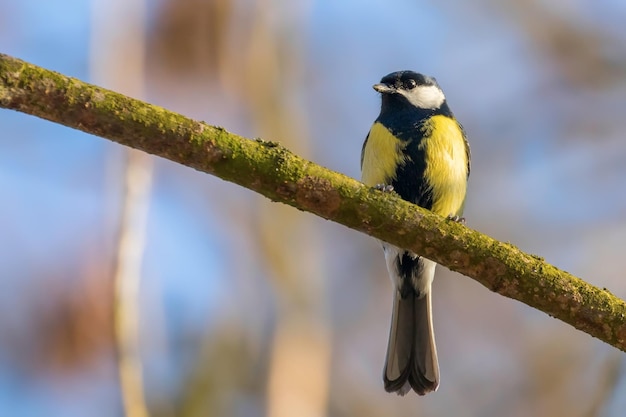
457 219
385 188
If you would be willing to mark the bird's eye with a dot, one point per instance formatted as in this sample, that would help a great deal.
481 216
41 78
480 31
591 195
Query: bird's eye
410 84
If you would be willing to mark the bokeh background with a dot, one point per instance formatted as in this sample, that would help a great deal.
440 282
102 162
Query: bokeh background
250 308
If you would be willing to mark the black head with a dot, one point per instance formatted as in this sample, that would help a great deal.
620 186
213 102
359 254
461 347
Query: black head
410 87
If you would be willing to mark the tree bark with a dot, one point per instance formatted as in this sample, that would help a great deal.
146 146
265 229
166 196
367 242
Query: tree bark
271 170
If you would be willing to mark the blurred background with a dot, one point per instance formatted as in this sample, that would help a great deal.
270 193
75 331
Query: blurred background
113 263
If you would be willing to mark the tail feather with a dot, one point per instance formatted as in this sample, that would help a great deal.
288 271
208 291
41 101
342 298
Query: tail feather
400 348
425 374
411 354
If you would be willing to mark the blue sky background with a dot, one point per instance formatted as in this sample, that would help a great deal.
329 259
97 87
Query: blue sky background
546 128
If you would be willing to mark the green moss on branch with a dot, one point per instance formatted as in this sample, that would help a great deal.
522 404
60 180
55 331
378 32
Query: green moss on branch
271 170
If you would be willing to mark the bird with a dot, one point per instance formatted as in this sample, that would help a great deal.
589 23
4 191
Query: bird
417 149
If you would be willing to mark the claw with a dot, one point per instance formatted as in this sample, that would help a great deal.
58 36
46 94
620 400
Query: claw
385 188
457 219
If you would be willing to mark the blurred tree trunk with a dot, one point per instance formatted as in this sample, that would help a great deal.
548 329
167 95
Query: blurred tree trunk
117 61
250 49
291 246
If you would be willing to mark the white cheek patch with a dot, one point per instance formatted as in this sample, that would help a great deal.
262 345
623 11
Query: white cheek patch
425 96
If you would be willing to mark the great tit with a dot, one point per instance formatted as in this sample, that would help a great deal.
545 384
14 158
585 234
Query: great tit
417 149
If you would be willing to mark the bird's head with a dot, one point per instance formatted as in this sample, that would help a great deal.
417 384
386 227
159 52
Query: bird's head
418 90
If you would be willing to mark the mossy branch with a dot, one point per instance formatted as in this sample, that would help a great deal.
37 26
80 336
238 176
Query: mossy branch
273 171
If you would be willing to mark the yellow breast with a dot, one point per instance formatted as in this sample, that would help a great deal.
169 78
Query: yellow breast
381 156
446 164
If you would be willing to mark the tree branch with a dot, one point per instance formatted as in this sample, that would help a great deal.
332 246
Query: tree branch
271 170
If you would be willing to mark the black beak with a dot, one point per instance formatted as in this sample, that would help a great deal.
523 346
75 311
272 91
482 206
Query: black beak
384 88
